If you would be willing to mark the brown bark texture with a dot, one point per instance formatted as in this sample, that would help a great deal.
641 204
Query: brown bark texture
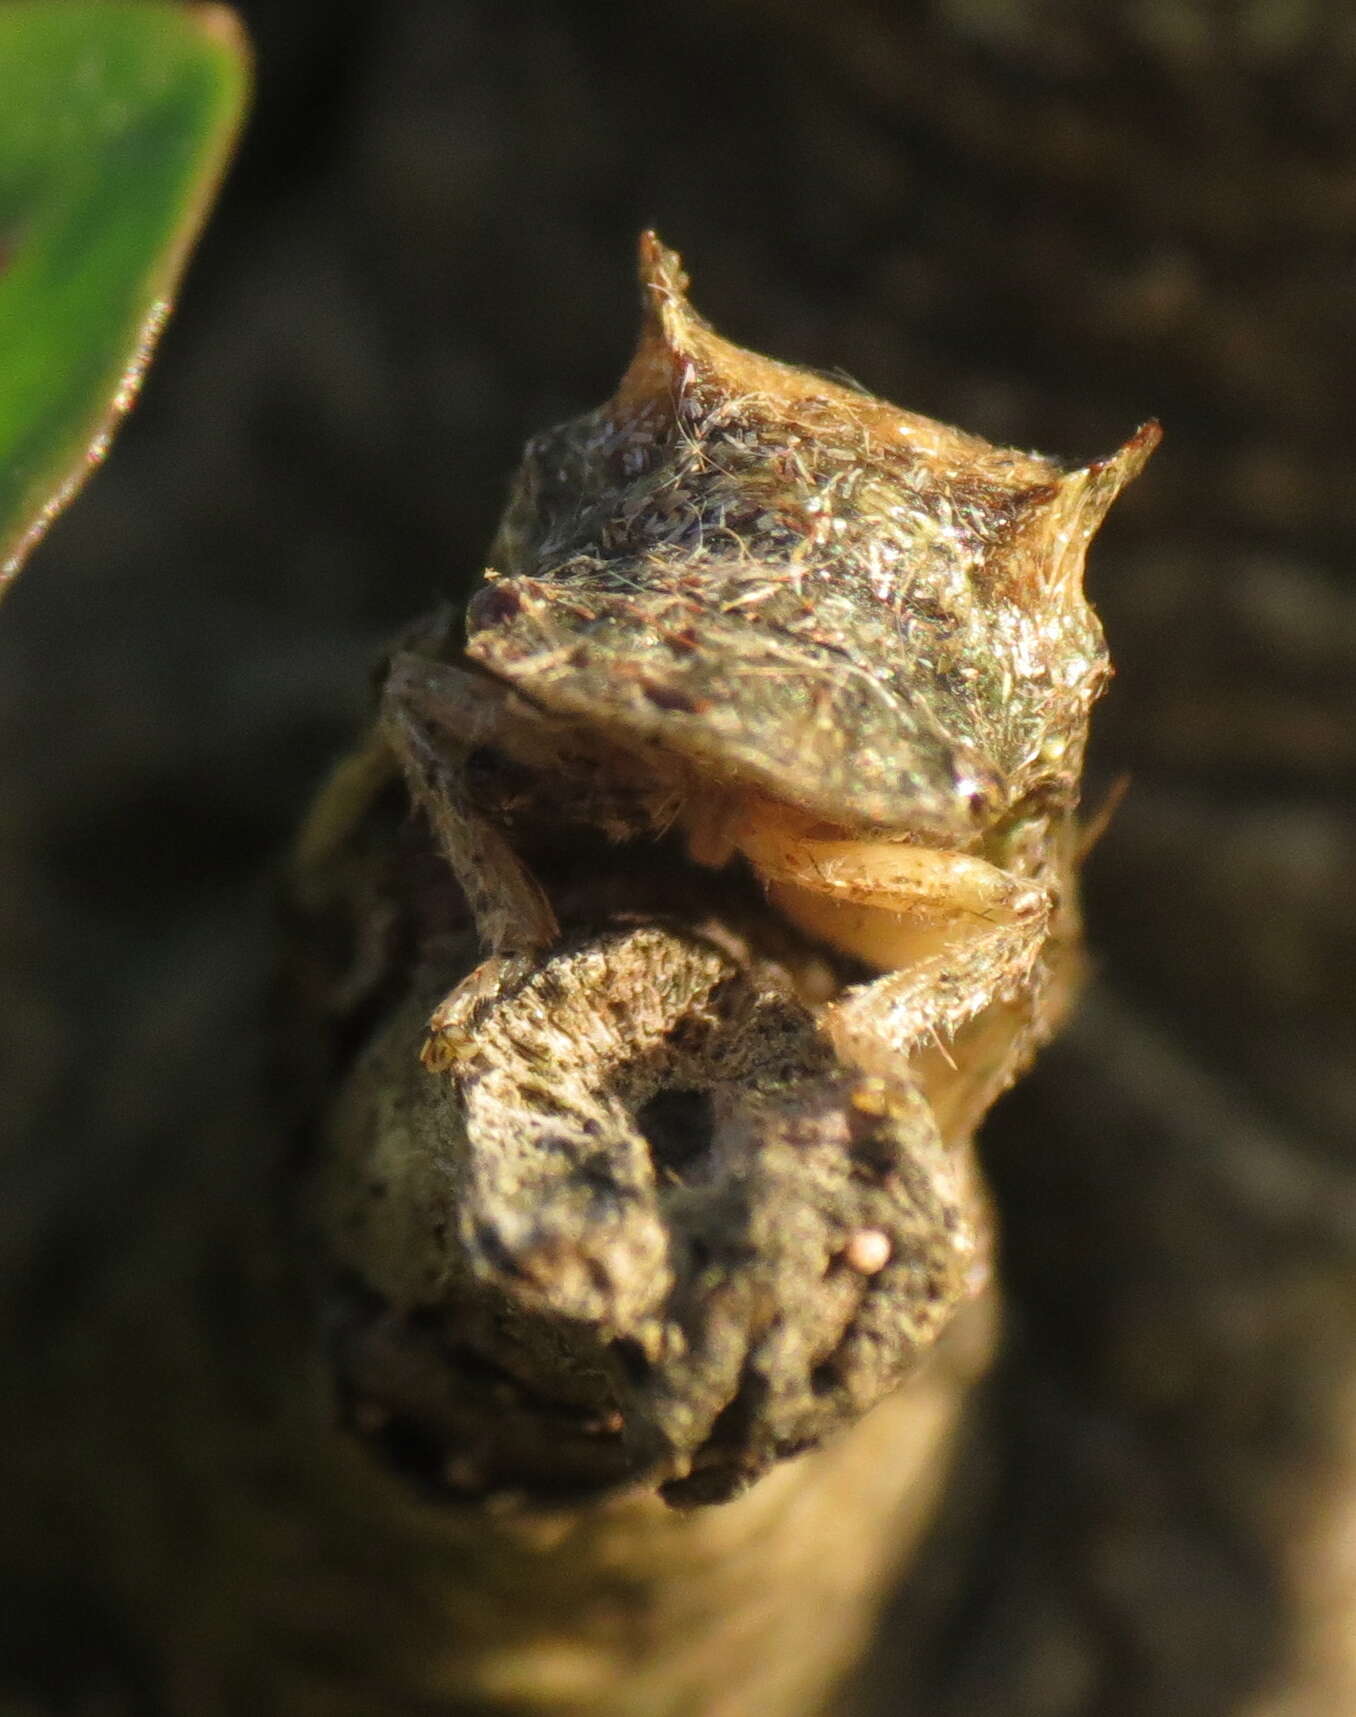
1043 223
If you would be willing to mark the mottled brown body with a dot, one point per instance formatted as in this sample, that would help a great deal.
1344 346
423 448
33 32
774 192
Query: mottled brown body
838 639
796 589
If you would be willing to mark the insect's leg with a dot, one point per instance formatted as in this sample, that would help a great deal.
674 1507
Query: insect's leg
434 716
887 902
884 1025
958 933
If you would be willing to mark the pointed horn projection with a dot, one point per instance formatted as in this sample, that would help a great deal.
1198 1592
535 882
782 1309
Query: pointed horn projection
670 331
663 279
1082 500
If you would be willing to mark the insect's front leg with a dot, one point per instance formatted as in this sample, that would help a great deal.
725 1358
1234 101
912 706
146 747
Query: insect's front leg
956 933
882 1025
434 716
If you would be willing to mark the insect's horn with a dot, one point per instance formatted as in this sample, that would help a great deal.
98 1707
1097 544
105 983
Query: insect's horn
672 334
663 282
1082 500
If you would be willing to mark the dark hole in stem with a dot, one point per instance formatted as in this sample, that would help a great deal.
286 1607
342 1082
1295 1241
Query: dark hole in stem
631 1357
677 1126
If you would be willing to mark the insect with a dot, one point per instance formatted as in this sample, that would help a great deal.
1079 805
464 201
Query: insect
834 641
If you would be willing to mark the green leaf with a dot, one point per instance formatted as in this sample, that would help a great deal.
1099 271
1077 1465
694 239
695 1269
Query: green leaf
116 121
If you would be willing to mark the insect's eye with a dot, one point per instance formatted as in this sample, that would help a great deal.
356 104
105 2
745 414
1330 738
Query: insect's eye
982 796
492 606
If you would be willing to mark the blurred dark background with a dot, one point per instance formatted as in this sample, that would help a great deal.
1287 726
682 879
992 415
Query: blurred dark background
1044 223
